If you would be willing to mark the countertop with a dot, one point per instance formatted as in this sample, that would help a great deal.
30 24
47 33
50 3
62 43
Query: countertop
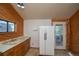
5 47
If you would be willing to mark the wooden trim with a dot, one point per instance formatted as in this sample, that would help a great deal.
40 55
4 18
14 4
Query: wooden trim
67 30
59 20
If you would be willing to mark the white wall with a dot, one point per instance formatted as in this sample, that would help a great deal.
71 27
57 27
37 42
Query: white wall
31 27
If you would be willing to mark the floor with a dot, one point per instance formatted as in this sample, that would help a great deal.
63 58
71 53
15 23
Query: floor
35 52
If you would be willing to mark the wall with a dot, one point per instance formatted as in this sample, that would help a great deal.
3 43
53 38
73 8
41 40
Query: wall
31 27
74 33
7 12
19 10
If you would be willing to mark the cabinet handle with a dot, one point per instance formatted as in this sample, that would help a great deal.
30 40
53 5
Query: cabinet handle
45 36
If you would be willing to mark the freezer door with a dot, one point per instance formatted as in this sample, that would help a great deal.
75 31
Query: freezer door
50 41
47 40
42 41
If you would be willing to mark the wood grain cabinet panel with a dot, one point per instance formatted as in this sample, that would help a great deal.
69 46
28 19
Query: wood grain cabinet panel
10 52
74 33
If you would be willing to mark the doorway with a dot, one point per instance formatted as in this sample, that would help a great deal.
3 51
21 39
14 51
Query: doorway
60 35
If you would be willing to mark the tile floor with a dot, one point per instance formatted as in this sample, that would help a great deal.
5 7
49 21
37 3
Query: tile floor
35 52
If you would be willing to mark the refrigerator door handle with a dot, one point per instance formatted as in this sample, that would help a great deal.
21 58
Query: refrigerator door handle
45 36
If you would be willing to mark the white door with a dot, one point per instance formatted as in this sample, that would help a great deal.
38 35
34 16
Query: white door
41 41
46 40
60 35
50 41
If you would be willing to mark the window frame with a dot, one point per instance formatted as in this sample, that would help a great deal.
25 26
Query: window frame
7 26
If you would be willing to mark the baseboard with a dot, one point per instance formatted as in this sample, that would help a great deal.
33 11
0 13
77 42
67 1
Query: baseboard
34 47
61 49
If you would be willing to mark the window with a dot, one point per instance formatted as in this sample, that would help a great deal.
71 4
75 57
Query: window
3 26
59 34
11 27
6 26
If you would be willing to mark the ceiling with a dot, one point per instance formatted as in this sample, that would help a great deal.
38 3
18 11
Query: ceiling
47 10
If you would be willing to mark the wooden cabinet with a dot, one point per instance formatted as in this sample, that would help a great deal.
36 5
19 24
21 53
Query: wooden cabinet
10 52
22 48
18 50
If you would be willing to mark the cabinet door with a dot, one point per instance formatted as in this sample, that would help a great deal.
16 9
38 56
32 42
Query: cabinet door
19 50
49 46
10 52
26 46
22 48
42 40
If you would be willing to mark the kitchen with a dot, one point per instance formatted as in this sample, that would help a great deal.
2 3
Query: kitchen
25 37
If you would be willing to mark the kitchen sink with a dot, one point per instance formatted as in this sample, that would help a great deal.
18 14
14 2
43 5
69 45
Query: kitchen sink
11 42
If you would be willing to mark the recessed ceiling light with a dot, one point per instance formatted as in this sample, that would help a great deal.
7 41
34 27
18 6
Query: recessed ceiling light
21 5
18 5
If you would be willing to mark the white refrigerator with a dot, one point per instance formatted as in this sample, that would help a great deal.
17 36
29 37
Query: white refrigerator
46 40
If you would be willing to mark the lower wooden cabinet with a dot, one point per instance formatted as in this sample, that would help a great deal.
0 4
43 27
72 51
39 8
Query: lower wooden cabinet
18 50
10 52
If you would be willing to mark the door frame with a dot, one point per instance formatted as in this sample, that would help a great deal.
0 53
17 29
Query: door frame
65 37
